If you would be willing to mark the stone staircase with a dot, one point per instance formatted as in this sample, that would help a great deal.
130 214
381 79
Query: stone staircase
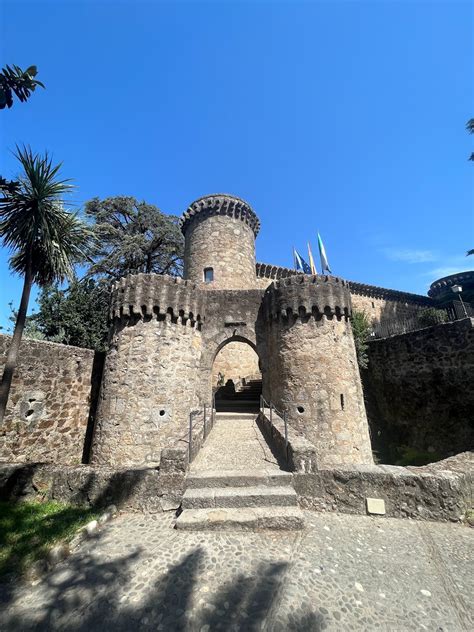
245 399
248 491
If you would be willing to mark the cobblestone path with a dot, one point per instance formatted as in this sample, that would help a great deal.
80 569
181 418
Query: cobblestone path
340 573
235 443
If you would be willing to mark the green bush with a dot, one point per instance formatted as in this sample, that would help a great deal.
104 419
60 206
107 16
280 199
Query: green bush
361 328
431 316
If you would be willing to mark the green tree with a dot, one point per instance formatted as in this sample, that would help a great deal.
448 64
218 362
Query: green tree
31 329
44 238
134 237
18 82
361 329
76 315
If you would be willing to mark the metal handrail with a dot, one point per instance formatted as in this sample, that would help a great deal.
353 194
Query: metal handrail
192 414
281 414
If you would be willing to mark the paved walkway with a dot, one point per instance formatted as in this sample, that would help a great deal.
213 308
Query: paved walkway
235 443
340 573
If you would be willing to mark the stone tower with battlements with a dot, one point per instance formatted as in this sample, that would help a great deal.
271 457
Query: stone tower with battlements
312 371
167 332
219 232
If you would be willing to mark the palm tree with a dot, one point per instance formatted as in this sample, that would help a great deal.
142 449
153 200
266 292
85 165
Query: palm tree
45 239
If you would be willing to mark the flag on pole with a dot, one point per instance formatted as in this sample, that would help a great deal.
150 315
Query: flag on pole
300 263
311 261
322 254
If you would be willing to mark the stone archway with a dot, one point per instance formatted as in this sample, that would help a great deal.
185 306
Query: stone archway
235 359
236 376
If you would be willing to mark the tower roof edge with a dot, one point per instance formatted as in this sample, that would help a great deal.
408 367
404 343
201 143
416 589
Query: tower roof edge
220 204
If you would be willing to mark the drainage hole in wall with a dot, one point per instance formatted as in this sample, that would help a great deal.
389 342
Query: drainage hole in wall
300 409
162 413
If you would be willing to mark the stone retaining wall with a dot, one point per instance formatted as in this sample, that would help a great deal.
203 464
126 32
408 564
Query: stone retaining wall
48 409
443 491
418 493
418 388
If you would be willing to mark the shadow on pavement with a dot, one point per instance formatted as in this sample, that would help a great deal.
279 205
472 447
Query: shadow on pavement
87 594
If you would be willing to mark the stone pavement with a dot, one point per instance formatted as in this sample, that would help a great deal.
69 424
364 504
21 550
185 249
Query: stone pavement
340 573
235 443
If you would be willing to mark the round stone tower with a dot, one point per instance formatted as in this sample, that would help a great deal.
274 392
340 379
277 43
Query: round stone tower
150 374
312 369
219 252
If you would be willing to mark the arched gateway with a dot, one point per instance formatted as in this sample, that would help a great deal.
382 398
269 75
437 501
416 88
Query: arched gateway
166 334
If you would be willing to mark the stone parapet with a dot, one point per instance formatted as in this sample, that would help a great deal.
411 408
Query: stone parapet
156 294
374 291
220 204
308 295
273 272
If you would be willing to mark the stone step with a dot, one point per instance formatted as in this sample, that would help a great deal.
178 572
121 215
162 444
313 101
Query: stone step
235 416
241 519
261 496
237 478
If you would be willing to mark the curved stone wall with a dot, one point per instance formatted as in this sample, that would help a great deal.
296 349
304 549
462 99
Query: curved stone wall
312 370
150 372
147 391
220 234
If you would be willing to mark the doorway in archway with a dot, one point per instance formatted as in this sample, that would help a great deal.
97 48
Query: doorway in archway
236 378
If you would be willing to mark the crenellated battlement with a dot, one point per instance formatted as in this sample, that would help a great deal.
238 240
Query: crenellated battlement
158 295
304 294
220 204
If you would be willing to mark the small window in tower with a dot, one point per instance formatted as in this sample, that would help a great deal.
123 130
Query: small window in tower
208 275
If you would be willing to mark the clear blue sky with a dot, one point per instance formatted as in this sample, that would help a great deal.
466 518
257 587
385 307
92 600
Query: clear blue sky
342 117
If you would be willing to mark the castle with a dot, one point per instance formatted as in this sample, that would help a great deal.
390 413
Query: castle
168 333
140 428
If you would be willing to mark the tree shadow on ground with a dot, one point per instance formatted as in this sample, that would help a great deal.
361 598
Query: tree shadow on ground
88 594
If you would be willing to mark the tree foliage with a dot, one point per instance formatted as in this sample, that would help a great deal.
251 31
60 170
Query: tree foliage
18 82
44 238
361 329
76 315
134 237
431 316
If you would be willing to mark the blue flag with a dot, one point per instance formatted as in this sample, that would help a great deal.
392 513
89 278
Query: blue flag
300 263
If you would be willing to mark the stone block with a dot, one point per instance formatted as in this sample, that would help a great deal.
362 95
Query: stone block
376 506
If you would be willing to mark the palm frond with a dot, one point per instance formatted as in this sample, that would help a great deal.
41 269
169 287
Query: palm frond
35 225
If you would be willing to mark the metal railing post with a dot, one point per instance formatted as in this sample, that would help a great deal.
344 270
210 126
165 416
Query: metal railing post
285 421
271 413
204 436
190 433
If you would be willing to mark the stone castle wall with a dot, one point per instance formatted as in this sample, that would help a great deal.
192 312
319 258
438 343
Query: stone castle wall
49 403
235 361
312 370
419 388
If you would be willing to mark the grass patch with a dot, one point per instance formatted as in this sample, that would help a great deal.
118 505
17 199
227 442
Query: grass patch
406 455
28 530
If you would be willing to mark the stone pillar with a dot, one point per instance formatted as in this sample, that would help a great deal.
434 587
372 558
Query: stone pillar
219 251
312 371
150 370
